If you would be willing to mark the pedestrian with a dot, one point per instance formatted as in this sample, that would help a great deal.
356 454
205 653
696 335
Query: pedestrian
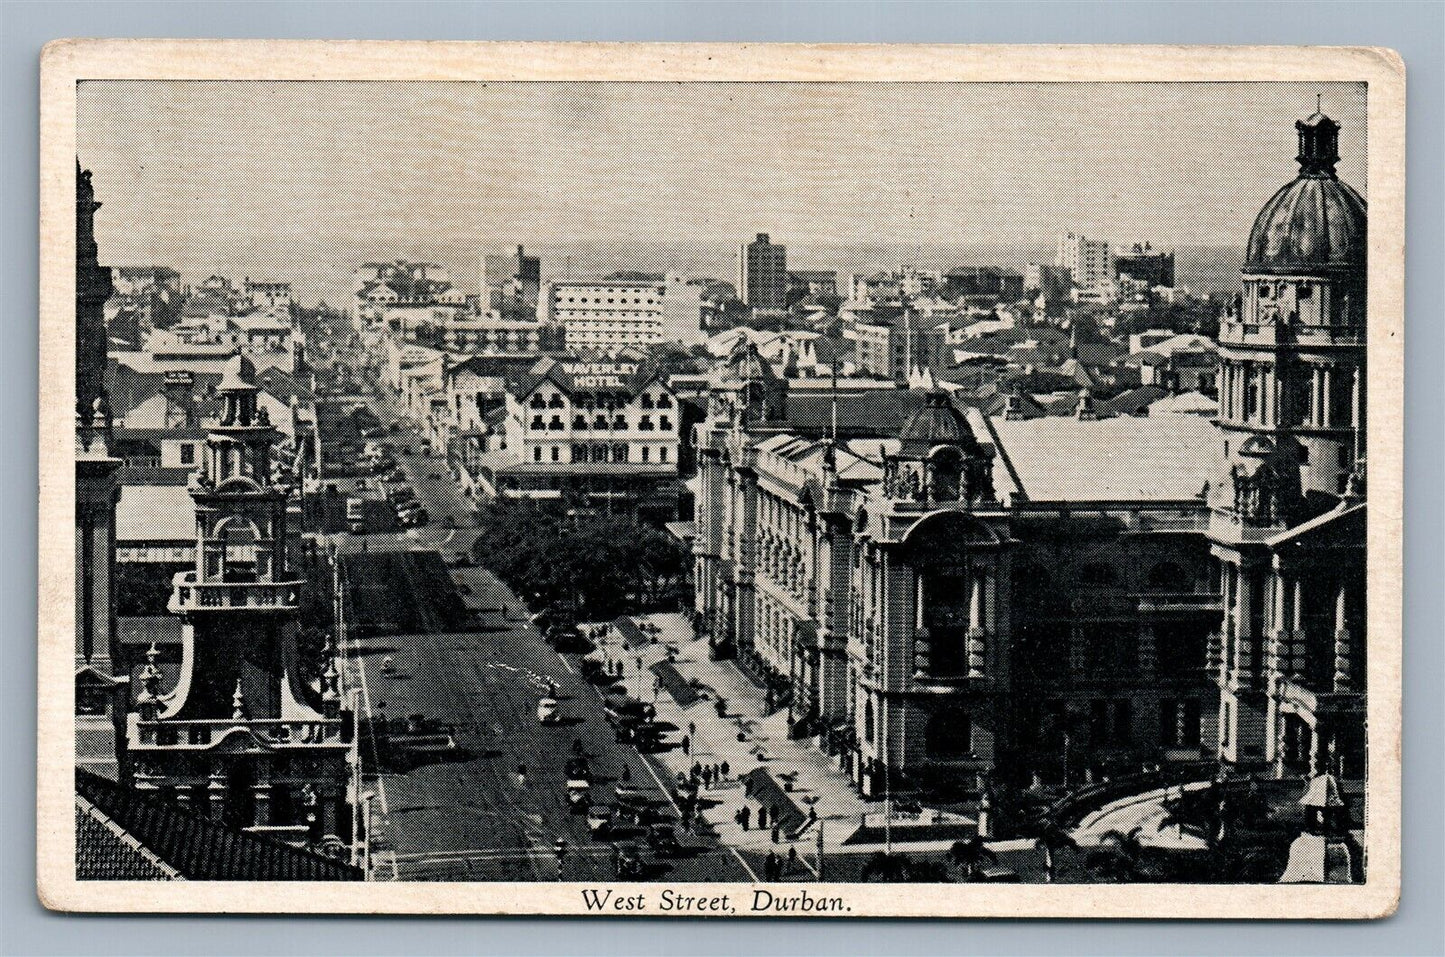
793 858
692 727
696 771
746 815
577 746
762 816
772 866
626 773
724 768
521 775
777 830
707 778
812 815
716 774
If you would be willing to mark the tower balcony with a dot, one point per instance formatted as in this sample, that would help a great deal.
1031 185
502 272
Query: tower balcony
1269 335
188 594
272 734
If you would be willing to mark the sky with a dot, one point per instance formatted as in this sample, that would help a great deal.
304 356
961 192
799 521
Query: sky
306 180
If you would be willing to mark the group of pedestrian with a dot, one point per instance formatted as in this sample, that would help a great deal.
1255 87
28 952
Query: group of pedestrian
776 867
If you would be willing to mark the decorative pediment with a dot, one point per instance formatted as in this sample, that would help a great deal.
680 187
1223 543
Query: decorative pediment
240 740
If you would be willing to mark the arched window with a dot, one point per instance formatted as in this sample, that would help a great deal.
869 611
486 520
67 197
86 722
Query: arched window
580 422
536 453
599 453
556 453
1167 576
556 402
619 423
556 424
664 423
539 401
646 401
619 452
645 424
537 422
663 402
662 454
601 422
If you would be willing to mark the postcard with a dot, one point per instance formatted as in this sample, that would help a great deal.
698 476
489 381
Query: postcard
721 480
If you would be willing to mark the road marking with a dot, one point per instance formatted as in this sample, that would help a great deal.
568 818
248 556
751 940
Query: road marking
566 664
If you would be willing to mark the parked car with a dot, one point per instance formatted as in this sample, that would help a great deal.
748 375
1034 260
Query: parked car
599 819
662 839
547 711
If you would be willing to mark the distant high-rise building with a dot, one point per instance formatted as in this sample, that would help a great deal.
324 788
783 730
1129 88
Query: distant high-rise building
763 274
516 277
1086 259
1145 264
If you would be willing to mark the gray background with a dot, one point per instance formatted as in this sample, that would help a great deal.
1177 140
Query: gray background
1416 30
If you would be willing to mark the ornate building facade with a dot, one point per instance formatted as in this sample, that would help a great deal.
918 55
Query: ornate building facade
952 596
1287 522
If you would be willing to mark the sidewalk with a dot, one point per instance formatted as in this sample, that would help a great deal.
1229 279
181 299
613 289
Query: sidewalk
765 744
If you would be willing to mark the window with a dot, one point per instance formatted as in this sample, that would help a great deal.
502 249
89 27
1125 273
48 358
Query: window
556 453
556 424
555 402
645 451
619 452
537 423
538 401
1123 722
579 453
645 424
662 454
580 422
601 422
665 424
663 402
188 453
536 453
599 453
646 401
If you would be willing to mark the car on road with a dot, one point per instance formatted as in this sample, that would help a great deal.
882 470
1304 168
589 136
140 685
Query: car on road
579 768
627 862
599 819
662 839
401 494
579 794
547 711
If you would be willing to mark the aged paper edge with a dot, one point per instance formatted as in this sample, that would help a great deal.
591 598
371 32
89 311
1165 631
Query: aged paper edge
64 62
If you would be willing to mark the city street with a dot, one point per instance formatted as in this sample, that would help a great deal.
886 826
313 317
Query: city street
464 813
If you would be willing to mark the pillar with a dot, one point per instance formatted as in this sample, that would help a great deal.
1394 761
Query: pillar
976 621
1325 394
1315 418
1245 638
216 794
1148 648
1343 676
1298 647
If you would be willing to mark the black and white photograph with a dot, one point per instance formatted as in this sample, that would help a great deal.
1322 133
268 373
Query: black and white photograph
730 497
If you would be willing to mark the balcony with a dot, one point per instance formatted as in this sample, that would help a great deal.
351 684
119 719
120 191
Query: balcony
1179 601
190 595
200 734
1273 334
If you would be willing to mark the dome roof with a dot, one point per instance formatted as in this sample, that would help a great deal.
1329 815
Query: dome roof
936 423
1315 221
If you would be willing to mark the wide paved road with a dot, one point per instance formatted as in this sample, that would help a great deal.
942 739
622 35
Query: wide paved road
466 816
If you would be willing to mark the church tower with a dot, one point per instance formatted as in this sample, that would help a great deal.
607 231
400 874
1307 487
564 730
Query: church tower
243 734
1287 508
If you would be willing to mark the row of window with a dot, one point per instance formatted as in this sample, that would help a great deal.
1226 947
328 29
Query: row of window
616 452
617 424
540 401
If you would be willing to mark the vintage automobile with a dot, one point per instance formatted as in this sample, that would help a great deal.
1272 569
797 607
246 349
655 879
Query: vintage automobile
627 862
662 839
599 819
547 711
579 794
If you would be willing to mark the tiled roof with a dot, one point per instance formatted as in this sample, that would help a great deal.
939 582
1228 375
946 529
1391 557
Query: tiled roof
881 412
191 846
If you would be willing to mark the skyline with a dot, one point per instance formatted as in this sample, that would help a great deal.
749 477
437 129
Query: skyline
190 177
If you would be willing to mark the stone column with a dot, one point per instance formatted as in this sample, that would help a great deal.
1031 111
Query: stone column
1299 650
1315 418
216 794
977 634
1343 674
1327 413
1245 637
1148 648
261 798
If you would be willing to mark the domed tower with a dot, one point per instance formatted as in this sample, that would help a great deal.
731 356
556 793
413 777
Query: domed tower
1288 513
939 459
1292 396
